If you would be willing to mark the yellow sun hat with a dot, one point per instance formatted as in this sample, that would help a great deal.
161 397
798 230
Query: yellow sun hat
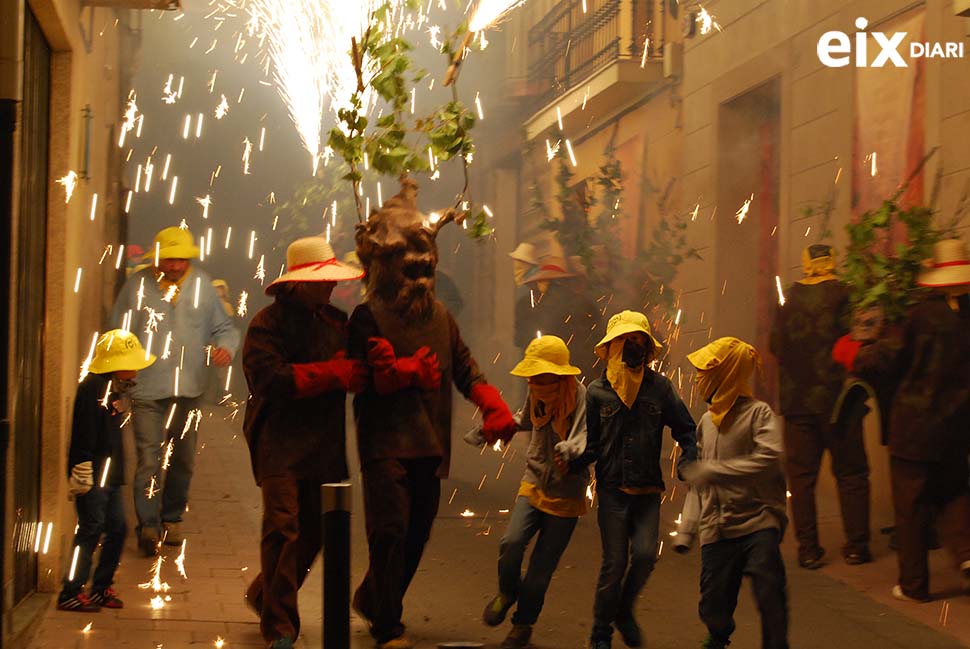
118 351
173 243
625 322
545 355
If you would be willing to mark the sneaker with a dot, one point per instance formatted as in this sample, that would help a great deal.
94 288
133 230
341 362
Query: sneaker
282 643
812 561
629 631
495 611
172 533
80 603
518 637
107 598
148 541
400 642
713 643
858 558
900 595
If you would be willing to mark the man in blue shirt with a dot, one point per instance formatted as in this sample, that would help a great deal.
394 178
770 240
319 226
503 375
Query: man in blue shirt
174 310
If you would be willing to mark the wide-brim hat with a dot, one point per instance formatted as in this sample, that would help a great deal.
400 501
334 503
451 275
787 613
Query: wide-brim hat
550 268
716 352
526 253
311 259
119 351
545 355
625 322
950 265
173 243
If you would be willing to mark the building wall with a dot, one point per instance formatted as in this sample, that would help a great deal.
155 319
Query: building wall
86 46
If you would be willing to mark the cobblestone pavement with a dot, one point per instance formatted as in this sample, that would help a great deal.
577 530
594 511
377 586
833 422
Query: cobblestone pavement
838 606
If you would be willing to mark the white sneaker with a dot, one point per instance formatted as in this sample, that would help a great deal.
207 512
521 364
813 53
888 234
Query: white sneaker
900 595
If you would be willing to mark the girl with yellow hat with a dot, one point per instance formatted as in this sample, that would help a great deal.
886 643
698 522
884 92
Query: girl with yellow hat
97 472
551 499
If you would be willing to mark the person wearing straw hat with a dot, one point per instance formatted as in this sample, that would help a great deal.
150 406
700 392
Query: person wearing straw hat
626 412
173 308
96 469
927 358
736 505
298 374
524 261
813 317
550 498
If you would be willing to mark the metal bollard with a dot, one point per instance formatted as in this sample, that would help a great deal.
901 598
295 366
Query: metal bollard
336 564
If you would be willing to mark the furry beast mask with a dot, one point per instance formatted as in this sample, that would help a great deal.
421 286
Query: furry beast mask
397 249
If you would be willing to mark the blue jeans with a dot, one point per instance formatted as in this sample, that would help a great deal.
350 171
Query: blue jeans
554 534
151 439
99 511
723 564
629 531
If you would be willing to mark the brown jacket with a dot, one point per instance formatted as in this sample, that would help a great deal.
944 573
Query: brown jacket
304 438
410 423
928 360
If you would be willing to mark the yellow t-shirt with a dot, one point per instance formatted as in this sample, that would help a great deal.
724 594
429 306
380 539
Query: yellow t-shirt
562 507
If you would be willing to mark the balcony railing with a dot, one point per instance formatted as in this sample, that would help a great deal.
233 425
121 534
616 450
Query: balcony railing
568 44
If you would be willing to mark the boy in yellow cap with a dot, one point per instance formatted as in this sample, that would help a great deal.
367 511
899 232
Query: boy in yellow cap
550 499
626 412
738 496
96 469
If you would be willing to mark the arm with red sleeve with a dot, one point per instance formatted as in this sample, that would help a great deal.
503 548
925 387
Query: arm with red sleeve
497 420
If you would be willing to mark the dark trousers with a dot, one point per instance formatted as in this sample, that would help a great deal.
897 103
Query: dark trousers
723 564
554 534
806 439
921 489
99 512
400 504
629 531
292 538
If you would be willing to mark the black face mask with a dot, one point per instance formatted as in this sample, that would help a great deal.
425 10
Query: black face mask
634 354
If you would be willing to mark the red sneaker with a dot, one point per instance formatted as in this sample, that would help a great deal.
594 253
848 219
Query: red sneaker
80 603
107 598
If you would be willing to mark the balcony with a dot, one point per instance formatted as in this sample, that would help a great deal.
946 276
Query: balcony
586 51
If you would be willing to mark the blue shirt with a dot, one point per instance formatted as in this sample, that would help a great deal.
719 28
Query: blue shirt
193 322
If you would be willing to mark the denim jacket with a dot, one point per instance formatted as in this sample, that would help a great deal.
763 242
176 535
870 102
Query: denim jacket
626 443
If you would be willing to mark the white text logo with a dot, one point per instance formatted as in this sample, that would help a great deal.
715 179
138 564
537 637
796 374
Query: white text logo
835 48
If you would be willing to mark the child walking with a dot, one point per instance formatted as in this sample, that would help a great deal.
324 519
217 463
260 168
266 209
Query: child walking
96 470
550 499
626 412
737 502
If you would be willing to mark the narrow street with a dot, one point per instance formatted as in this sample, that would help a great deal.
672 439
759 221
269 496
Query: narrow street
837 607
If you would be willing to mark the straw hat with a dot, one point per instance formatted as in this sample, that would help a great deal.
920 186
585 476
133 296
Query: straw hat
117 351
173 243
311 259
526 253
950 265
545 355
625 322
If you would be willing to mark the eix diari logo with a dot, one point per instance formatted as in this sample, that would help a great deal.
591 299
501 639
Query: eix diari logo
835 48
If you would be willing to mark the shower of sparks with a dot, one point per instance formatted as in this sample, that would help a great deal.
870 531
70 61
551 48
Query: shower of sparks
307 42
707 22
180 560
873 170
781 296
169 449
170 293
223 108
490 11
569 150
478 106
70 574
131 114
168 95
467 514
87 361
743 210
260 270
247 151
171 194
552 150
87 628
205 203
104 472
151 490
70 183
94 205
241 308
559 117
219 642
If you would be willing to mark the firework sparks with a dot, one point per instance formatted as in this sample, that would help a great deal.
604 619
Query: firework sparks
241 308
781 296
87 361
742 212
219 642
205 202
180 560
223 108
707 22
260 270
87 628
247 152
467 514
151 490
131 115
69 183
490 11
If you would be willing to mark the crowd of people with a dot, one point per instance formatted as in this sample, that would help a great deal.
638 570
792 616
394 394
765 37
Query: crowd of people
399 354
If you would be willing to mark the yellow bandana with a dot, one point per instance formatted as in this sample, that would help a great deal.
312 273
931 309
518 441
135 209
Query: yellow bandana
625 382
556 401
724 369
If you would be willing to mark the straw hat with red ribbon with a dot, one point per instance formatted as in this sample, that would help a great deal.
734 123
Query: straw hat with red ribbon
950 265
311 259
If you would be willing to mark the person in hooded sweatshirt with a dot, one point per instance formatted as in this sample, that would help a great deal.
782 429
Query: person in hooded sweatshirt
627 410
550 499
736 505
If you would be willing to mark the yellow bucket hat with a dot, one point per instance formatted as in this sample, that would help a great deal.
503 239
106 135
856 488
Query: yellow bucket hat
173 243
625 322
117 351
545 355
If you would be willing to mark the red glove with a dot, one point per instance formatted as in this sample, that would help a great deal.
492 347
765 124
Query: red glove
845 351
339 373
392 374
497 420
